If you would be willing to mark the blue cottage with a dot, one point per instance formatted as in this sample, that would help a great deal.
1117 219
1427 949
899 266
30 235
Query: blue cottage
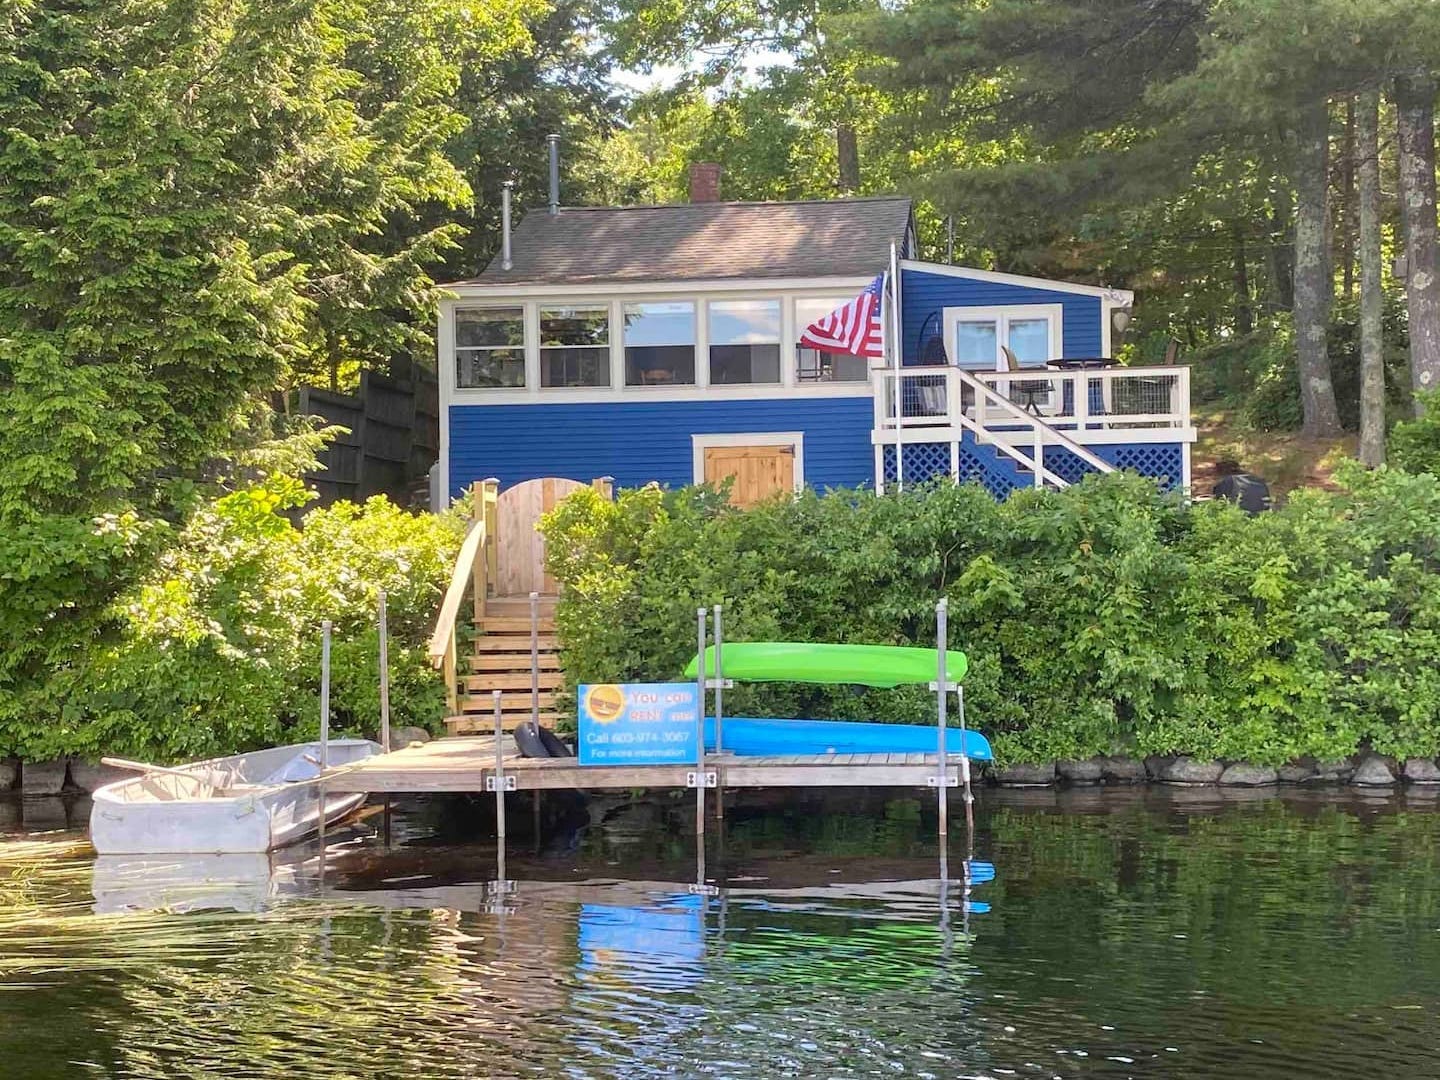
661 343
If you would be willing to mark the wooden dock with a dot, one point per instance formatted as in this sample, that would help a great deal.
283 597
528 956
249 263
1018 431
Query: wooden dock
463 764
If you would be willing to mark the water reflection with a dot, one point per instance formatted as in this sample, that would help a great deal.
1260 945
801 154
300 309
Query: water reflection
1127 934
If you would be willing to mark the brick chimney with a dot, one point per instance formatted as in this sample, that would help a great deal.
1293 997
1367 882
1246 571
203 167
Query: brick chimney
704 182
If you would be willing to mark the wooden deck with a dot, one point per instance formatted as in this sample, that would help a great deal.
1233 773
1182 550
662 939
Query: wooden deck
462 764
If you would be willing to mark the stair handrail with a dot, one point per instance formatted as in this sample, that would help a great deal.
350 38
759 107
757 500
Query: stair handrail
471 565
1036 423
1036 465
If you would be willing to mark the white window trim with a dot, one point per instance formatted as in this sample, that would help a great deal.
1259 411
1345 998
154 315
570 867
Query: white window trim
529 350
702 350
796 439
1001 316
774 298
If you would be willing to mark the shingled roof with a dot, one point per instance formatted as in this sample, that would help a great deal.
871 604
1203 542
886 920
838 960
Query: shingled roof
703 242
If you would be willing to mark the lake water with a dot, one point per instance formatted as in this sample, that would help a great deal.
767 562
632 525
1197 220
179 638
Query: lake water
1154 933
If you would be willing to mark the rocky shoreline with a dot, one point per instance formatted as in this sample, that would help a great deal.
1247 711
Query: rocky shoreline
1362 770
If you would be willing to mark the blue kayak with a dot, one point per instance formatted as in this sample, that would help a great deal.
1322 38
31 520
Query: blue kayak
751 737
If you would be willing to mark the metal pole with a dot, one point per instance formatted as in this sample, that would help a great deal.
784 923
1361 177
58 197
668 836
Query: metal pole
384 678
965 775
499 791
700 732
535 664
324 695
719 690
942 634
719 711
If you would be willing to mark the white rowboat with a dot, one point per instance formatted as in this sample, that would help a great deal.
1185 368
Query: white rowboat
245 803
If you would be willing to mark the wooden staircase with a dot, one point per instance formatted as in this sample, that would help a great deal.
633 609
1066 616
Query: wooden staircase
501 660
501 562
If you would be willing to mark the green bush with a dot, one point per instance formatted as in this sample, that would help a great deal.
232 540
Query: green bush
1414 445
217 649
1104 618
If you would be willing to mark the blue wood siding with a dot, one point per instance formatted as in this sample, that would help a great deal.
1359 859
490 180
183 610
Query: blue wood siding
922 294
640 441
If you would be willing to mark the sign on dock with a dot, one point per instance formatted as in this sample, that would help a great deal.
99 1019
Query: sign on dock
637 723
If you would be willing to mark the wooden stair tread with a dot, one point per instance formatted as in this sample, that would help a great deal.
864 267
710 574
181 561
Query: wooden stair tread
511 680
513 643
514 701
499 624
505 662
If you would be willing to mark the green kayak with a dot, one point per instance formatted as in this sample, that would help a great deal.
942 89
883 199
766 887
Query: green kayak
862 665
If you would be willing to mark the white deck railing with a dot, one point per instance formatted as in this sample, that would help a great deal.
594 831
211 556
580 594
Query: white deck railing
1022 412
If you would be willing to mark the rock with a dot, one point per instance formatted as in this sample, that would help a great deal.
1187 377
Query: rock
9 773
1332 772
403 735
1373 771
1297 771
90 775
1026 775
1188 770
1122 770
1242 774
1156 764
42 777
1088 771
1421 771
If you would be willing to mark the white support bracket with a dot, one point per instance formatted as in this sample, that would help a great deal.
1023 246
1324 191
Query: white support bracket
719 684
500 888
953 687
696 779
696 889
942 781
499 783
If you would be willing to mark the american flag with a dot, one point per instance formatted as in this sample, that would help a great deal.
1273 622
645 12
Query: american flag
854 328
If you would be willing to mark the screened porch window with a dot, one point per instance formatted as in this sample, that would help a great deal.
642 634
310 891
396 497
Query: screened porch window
813 365
490 347
660 344
575 345
744 341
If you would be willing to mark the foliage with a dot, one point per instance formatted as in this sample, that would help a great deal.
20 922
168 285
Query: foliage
1099 619
1415 444
217 649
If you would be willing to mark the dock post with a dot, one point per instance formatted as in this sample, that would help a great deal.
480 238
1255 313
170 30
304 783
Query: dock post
498 782
535 664
942 689
965 771
700 614
324 696
384 678
719 713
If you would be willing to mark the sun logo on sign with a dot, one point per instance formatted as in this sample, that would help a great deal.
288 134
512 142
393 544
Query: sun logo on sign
605 703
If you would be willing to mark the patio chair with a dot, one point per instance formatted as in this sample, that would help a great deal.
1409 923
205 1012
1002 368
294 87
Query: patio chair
1028 393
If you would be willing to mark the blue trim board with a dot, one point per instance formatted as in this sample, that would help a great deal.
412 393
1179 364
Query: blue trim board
640 441
923 294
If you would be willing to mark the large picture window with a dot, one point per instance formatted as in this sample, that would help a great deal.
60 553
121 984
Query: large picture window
744 341
490 347
815 365
575 345
660 344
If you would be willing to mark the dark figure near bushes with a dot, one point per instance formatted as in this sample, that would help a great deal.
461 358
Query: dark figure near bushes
1245 490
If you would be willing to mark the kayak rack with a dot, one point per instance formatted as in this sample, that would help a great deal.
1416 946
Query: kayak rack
709 630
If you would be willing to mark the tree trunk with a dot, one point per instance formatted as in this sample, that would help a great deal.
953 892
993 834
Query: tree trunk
847 149
1313 283
1244 315
1372 354
1415 128
1347 203
1281 255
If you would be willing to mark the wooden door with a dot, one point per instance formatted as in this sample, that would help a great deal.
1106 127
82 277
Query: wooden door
758 472
519 548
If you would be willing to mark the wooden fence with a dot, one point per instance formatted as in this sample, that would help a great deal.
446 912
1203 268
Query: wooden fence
393 441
